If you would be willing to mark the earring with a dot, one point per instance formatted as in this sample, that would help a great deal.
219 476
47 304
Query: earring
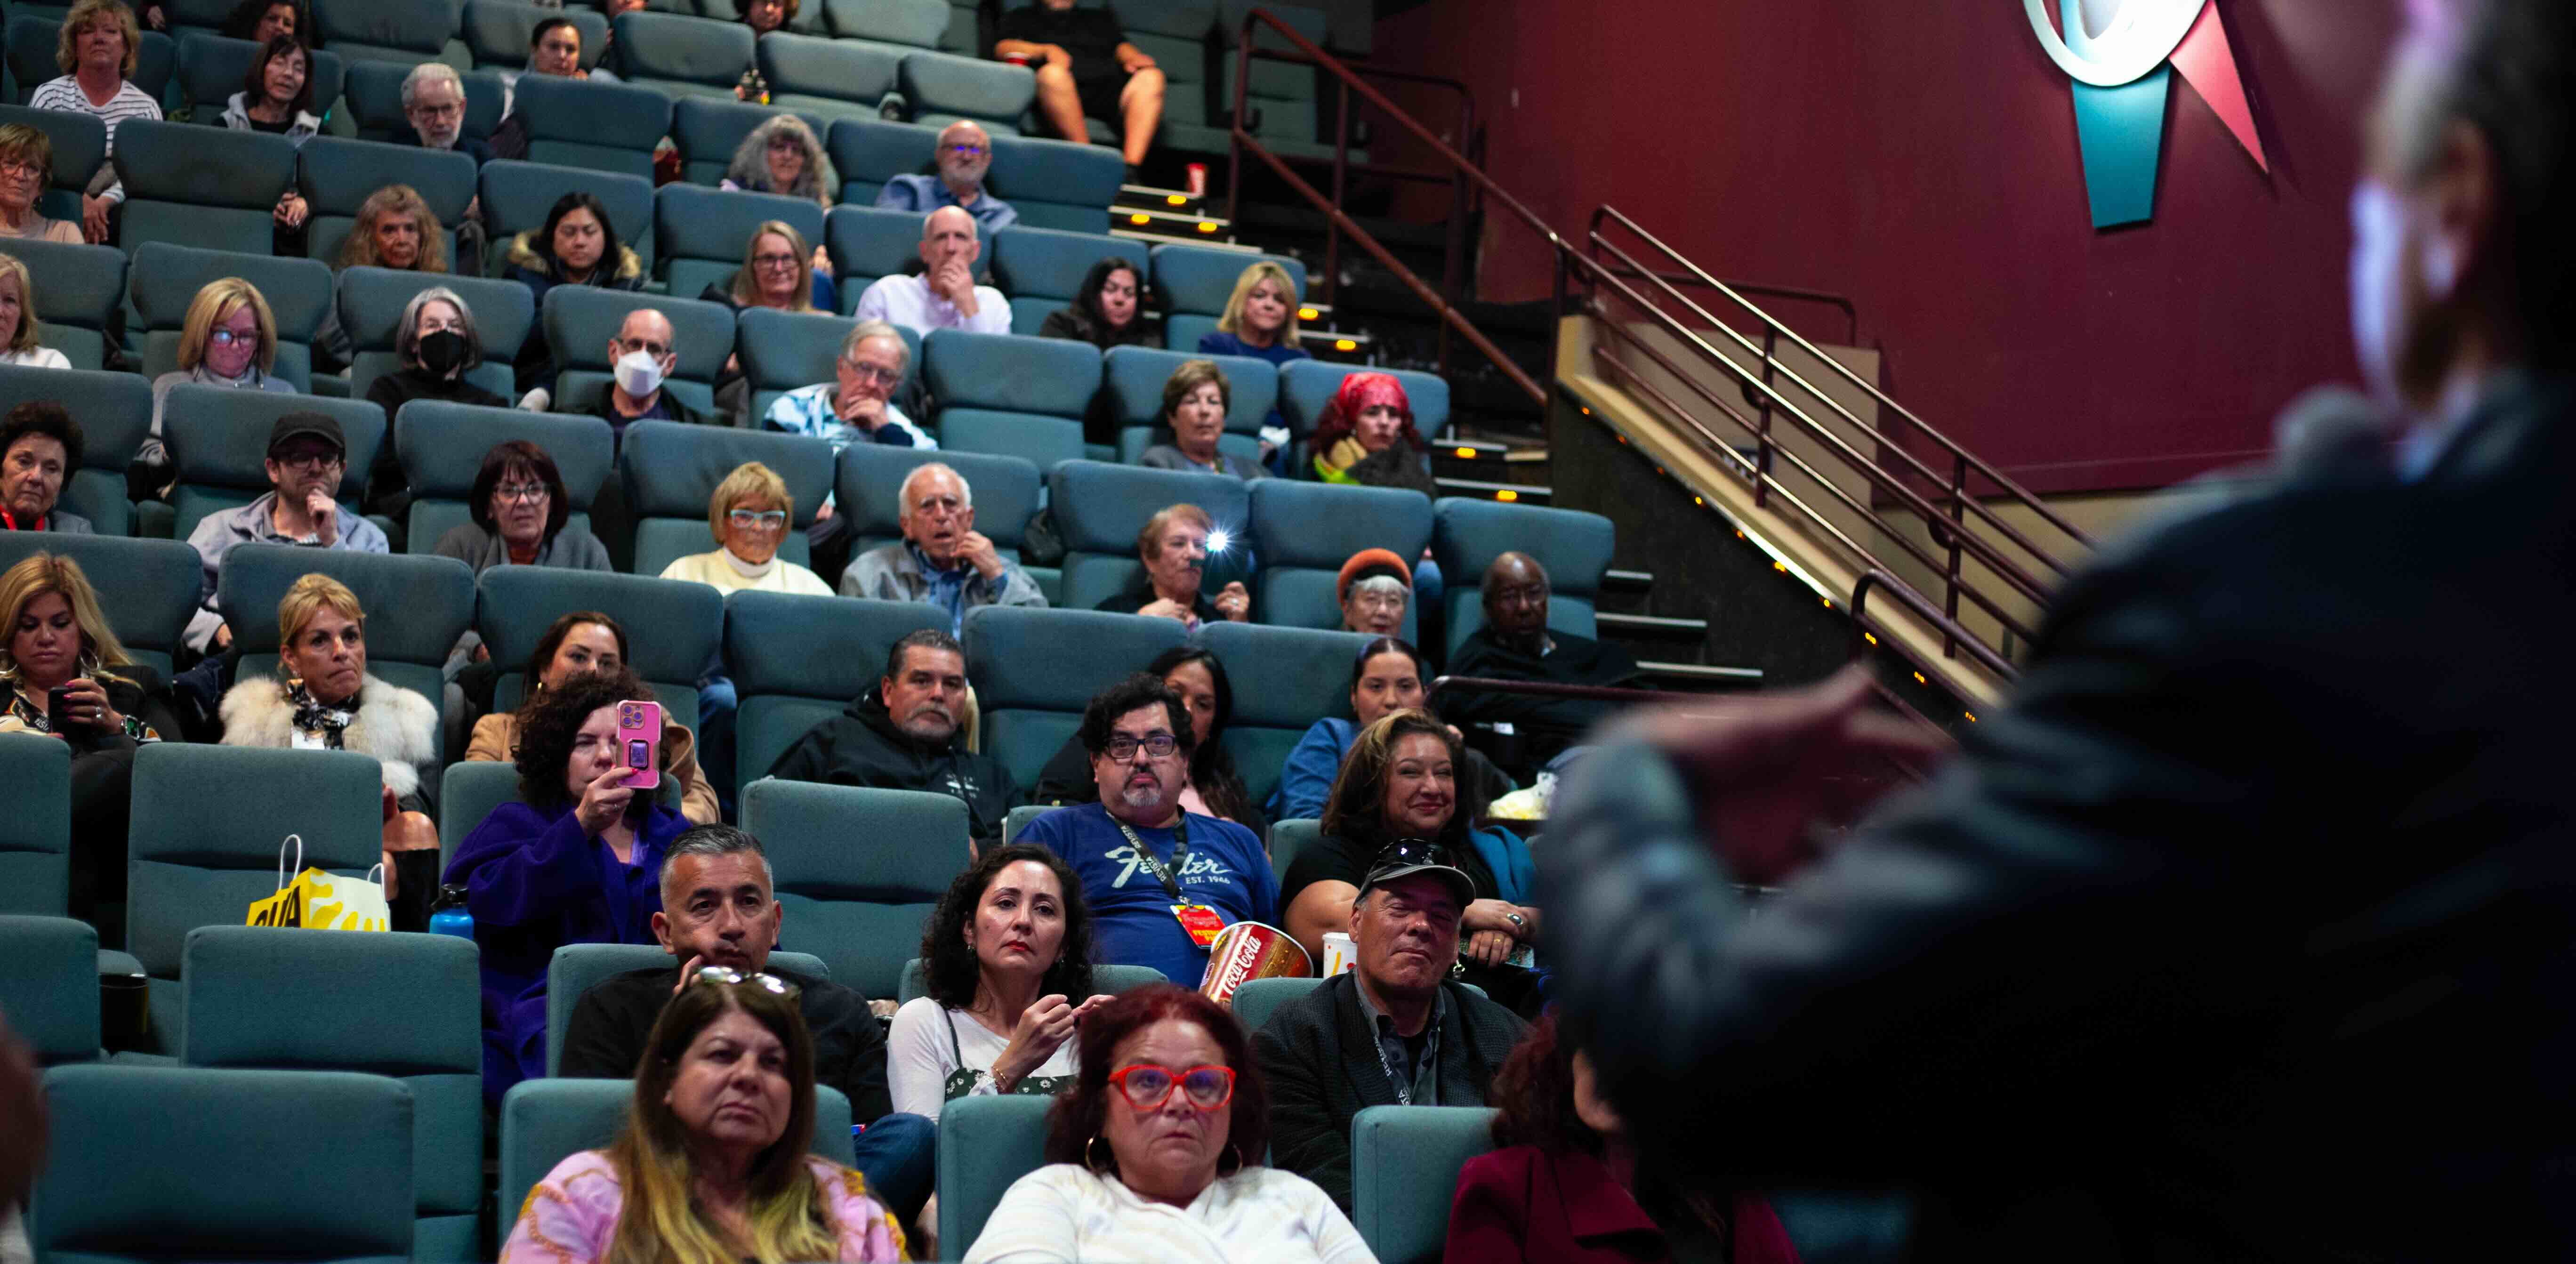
1094 1164
1235 1154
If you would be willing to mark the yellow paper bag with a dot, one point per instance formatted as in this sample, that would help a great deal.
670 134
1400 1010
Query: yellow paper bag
320 900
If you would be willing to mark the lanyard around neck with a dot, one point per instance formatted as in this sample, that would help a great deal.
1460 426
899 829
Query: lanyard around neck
1145 855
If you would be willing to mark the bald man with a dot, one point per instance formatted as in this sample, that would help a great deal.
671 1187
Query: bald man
641 358
1516 644
944 294
964 156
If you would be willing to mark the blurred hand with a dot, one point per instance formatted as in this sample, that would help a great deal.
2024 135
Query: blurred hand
865 411
1234 602
823 512
978 550
1043 1028
325 513
1166 608
604 801
94 219
88 707
1487 947
291 210
688 971
223 639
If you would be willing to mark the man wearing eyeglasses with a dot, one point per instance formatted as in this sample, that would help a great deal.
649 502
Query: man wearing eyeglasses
1161 882
307 458
964 155
433 101
641 359
942 559
944 295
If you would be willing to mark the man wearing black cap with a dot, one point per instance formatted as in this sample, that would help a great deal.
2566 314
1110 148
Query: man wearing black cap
1395 1030
306 459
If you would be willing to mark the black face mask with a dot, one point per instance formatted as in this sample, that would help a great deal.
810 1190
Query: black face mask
442 352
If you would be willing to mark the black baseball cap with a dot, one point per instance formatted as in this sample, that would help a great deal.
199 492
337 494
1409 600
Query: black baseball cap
1409 856
319 425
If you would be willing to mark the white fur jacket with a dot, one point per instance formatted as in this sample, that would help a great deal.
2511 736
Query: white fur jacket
396 726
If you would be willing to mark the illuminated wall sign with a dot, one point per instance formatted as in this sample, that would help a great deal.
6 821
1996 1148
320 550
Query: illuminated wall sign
2120 55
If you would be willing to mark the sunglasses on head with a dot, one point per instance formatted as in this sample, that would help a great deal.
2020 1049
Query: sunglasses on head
727 976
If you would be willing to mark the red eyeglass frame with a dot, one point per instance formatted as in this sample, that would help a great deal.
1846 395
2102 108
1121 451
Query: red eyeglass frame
1118 1079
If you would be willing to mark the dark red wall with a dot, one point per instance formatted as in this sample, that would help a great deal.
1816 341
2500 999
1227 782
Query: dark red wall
1927 168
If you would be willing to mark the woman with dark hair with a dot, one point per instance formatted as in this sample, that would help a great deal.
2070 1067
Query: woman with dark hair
260 21
589 641
577 861
1007 961
277 98
713 1166
1387 676
1196 399
1150 1156
1563 1183
1366 436
40 446
521 516
1214 788
1108 311
577 245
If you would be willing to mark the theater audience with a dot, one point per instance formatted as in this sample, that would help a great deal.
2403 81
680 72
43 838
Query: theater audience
712 1166
277 98
589 641
642 357
908 732
575 246
40 447
1564 1184
1375 589
857 405
1139 854
520 515
1517 644
719 908
941 559
1214 788
943 295
307 457
963 158
111 706
1006 967
96 51
18 328
778 272
26 170
1174 548
433 101
783 156
435 344
574 861
1366 437
1434 1043
1086 68
229 339
1195 401
748 515
1156 1145
1108 311
1387 676
322 697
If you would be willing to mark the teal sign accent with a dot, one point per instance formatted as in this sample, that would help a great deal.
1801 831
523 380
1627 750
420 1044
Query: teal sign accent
2121 56
2121 131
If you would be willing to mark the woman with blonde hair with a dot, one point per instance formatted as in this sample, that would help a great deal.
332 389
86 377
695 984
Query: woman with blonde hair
778 271
712 1166
1260 321
26 170
396 229
229 339
18 329
748 515
96 49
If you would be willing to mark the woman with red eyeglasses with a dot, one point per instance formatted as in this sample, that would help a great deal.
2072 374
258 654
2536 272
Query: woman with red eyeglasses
1148 1157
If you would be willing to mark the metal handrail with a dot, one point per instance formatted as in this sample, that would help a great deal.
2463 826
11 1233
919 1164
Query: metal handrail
1878 580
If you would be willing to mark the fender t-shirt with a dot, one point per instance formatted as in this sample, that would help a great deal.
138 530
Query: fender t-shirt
1131 912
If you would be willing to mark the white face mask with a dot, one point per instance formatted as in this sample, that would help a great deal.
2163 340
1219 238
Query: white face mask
638 374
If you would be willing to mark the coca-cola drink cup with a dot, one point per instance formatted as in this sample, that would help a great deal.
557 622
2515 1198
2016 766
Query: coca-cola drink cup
1250 950
1016 59
1340 953
1198 179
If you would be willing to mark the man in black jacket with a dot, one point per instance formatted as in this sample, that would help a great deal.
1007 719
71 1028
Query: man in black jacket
718 909
1515 643
1393 1030
2248 931
907 734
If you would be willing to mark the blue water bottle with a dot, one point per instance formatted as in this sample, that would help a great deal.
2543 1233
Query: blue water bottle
449 916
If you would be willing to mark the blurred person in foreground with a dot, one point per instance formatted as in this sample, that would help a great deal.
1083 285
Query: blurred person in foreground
2245 931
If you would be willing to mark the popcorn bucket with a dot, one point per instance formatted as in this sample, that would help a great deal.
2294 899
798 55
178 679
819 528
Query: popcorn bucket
1249 950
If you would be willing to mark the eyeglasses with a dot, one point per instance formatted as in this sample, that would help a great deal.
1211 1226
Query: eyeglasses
774 261
1148 1087
866 372
727 976
1158 745
1367 600
937 506
756 520
440 111
19 167
657 350
966 151
226 337
312 460
531 492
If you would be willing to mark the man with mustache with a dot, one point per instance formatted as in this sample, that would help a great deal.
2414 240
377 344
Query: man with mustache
964 156
908 733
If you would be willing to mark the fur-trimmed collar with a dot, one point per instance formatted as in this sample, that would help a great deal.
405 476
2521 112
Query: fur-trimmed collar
396 726
523 252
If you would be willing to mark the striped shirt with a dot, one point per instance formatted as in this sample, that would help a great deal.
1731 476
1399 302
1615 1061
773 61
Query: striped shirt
129 102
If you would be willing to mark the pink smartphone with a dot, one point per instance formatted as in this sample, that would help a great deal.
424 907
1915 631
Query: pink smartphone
639 743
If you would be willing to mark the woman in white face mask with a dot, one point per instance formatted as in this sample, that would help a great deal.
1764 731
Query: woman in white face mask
229 339
436 344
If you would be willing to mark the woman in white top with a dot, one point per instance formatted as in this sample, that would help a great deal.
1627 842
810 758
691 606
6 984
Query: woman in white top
18 331
749 515
1147 1157
96 51
1004 956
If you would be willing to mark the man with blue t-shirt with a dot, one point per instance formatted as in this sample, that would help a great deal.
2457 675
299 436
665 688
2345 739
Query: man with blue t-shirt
1161 882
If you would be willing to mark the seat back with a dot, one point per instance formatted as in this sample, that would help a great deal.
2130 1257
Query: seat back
1306 531
681 57
404 34
837 79
1042 269
79 140
212 68
580 320
1035 670
986 1142
783 351
1194 282
914 23
338 176
577 968
517 197
867 243
869 151
1100 508
36 835
442 446
870 491
1009 395
1283 678
182 1133
1305 386
798 661
219 445
1404 1174
1282 92
861 900
610 127
544 1122
497 32
1467 535
1258 999
421 605
1056 184
944 88
707 130
78 289
467 792
208 187
372 89
148 589
371 307
1135 379
166 278
701 234
673 627
1287 838
671 472
234 976
113 410
50 990
1177 35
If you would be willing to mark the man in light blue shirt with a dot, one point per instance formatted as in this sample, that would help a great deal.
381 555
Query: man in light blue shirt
857 406
965 153
942 559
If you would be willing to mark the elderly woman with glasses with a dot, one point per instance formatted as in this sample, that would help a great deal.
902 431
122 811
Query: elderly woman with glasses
749 515
521 516
713 1165
1151 1155
26 167
783 156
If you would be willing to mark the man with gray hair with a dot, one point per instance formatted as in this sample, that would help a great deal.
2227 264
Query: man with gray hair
964 156
720 912
857 405
433 99
941 559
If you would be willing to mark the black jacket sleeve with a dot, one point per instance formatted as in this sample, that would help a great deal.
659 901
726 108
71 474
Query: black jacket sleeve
850 1049
1303 1138
810 759
604 1039
1067 779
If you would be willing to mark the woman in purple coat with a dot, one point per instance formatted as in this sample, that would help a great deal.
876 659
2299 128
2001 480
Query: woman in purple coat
578 862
